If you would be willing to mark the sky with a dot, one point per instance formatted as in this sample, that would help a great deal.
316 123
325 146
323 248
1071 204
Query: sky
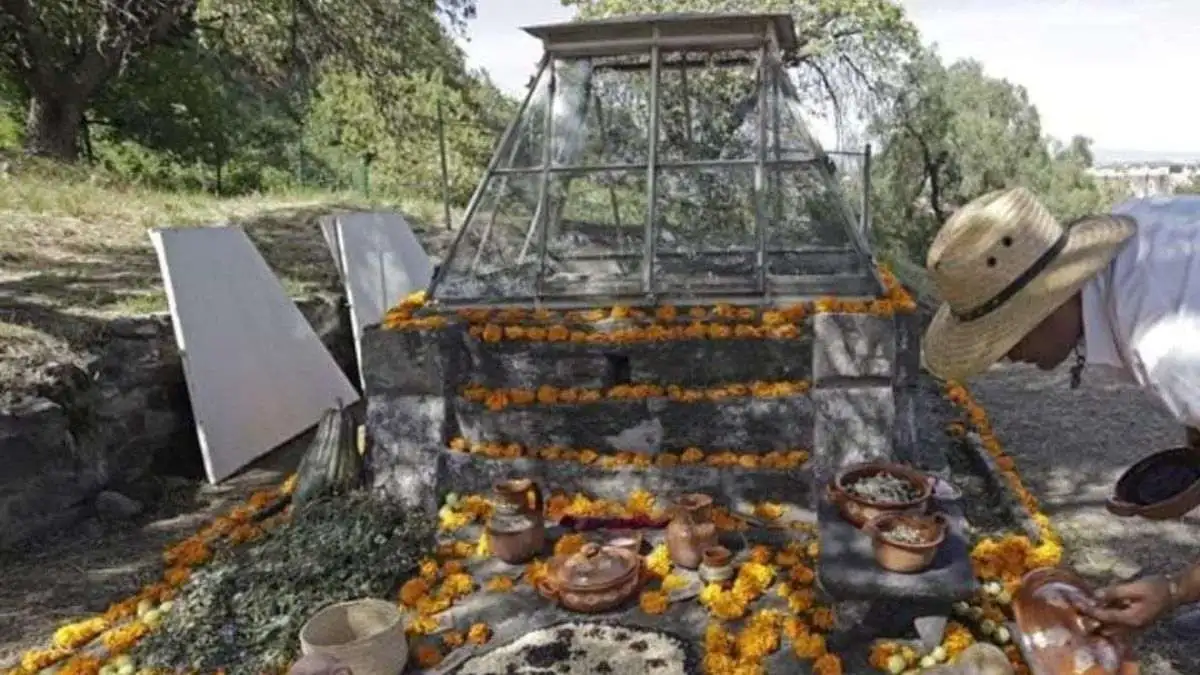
1113 70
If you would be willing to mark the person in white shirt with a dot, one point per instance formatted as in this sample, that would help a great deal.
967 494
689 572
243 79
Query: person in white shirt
1119 291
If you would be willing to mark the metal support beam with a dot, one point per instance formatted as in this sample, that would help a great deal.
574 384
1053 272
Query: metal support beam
473 205
650 236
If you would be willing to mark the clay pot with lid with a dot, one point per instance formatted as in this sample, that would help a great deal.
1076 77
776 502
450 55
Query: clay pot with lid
691 530
857 509
595 579
517 529
1055 638
716 564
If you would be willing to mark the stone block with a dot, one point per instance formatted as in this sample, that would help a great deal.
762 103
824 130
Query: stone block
848 571
651 425
528 365
852 425
465 473
908 350
412 362
904 428
406 436
852 346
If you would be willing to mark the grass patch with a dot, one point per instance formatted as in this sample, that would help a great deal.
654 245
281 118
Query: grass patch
76 253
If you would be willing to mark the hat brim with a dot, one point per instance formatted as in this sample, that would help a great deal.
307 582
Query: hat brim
956 350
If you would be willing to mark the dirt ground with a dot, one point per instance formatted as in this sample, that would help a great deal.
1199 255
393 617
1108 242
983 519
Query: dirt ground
79 574
1070 447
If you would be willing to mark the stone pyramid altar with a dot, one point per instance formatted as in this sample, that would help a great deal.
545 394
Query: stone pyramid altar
662 284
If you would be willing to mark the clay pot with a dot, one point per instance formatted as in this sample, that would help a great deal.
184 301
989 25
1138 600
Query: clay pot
858 510
1056 638
715 564
902 556
595 579
691 530
1163 486
517 529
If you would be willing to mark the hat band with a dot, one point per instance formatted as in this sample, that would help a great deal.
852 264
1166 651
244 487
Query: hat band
1016 285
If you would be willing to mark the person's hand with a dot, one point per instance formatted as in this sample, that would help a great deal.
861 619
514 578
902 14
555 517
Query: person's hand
1134 605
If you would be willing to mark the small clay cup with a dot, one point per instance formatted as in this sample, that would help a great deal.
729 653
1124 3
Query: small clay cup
716 556
1163 486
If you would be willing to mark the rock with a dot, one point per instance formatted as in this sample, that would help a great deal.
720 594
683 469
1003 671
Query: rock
116 506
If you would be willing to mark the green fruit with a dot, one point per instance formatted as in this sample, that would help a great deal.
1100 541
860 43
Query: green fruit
126 669
896 664
166 606
122 661
452 499
144 606
108 669
153 618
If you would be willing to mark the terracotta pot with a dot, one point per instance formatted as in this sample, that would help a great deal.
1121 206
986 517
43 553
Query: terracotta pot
691 530
596 579
1055 637
904 557
858 510
1163 486
715 564
517 529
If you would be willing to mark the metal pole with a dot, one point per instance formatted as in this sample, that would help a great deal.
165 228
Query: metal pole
650 232
473 205
544 170
865 218
760 178
442 156
542 219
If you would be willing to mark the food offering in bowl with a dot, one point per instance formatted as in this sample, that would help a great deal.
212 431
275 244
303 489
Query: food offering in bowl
1163 486
864 491
906 542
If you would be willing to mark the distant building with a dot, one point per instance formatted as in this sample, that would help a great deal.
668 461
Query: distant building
1147 179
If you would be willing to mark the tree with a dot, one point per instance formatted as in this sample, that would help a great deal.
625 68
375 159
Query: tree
63 55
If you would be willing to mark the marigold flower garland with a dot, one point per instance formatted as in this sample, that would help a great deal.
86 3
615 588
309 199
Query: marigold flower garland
126 622
499 399
671 323
775 459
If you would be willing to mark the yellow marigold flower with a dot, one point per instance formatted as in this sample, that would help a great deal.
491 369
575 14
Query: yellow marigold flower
500 584
569 543
479 634
413 590
658 562
769 511
453 639
673 582
81 664
827 664
458 585
823 618
79 633
809 645
653 602
422 625
761 554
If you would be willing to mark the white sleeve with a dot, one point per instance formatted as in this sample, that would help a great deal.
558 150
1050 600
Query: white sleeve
1170 355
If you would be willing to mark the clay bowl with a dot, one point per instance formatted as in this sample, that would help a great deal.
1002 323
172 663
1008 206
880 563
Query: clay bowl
1163 486
906 557
857 510
595 579
1055 638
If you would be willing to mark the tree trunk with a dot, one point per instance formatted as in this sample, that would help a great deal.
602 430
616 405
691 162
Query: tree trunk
52 126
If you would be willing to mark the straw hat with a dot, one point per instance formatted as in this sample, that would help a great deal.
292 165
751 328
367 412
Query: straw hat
1001 265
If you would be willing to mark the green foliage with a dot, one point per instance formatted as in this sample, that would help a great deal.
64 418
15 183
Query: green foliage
952 134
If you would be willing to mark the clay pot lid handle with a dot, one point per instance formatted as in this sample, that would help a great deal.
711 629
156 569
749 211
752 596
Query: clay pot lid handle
590 550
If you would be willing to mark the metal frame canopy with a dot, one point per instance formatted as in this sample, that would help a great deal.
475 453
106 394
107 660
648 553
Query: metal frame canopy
661 159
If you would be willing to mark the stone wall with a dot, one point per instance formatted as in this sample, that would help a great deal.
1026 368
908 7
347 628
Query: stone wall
108 425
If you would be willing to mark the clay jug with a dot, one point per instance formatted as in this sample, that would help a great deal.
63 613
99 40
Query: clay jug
516 529
691 530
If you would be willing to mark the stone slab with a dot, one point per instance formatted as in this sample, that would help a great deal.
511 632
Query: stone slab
651 425
852 346
852 424
416 362
406 436
738 488
516 364
908 350
848 571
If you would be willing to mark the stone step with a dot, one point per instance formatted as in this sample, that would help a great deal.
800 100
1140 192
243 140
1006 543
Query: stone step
743 424
734 487
688 363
